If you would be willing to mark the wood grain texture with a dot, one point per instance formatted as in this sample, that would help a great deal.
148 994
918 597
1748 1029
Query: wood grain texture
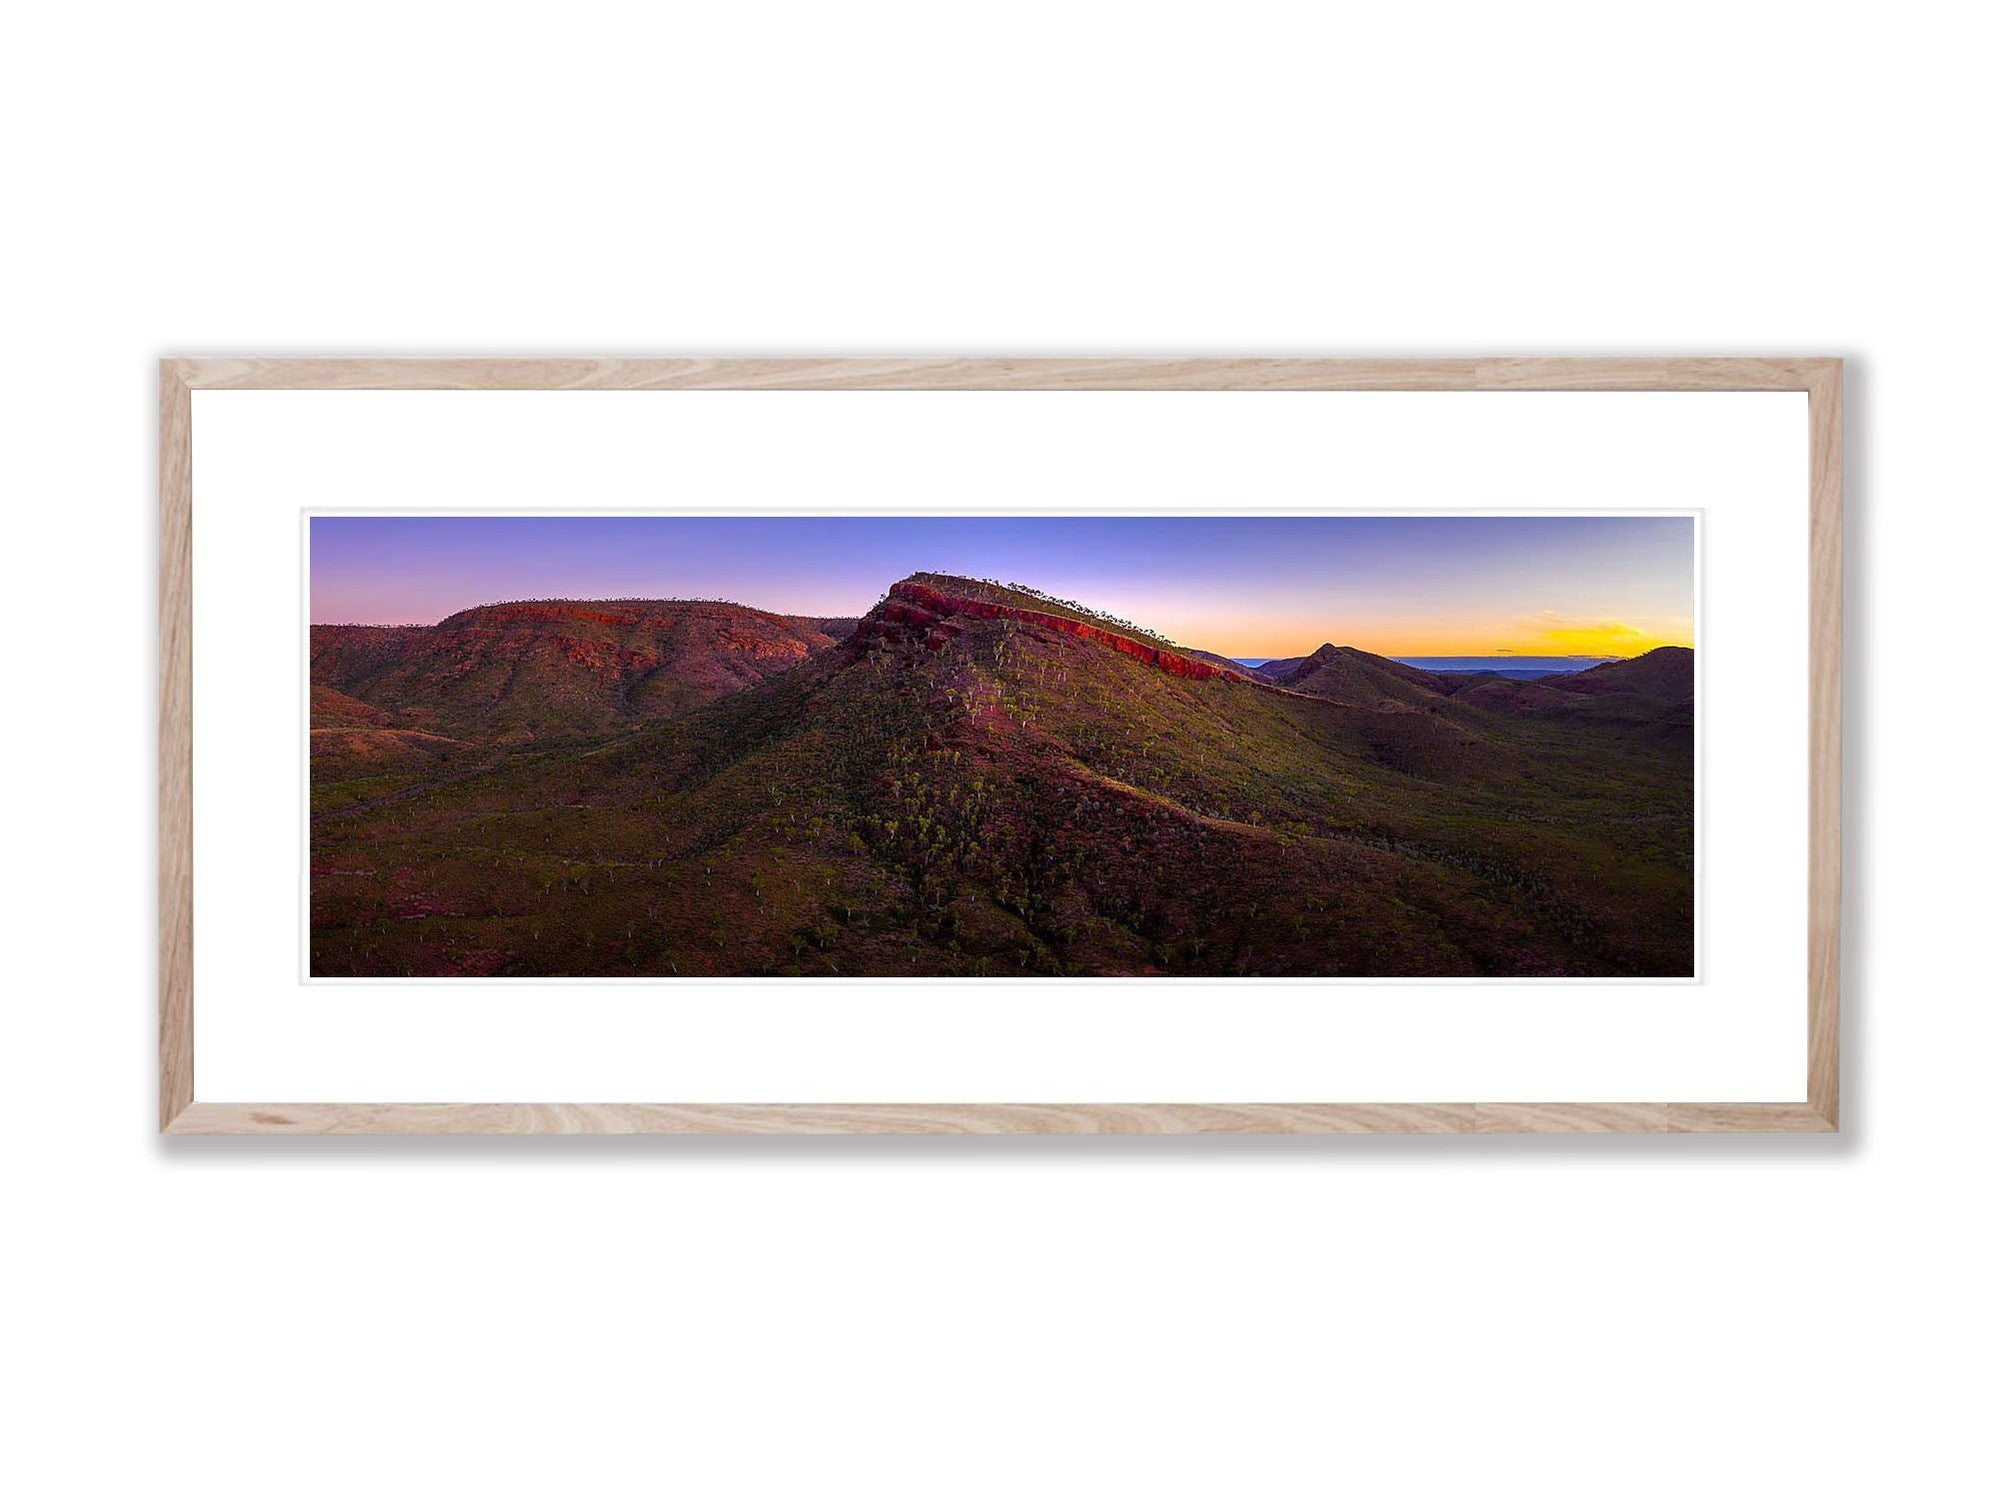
993 1119
1571 1118
1748 1118
176 769
1823 890
1652 374
829 374
1820 378
1001 374
824 1119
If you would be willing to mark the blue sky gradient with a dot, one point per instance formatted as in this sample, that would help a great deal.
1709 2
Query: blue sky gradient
1276 586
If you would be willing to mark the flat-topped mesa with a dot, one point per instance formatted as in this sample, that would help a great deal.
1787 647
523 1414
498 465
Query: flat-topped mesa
936 617
546 612
562 667
646 614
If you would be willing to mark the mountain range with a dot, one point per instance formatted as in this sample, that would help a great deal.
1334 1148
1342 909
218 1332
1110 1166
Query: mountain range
978 780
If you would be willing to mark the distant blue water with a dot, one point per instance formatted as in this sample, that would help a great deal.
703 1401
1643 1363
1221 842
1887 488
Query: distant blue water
1521 668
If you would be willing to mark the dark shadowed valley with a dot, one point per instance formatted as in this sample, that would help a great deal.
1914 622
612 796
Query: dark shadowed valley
977 780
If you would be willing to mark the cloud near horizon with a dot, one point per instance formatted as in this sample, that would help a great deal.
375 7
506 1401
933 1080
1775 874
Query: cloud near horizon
1549 634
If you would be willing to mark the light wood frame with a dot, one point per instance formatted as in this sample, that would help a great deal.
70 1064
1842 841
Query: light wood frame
181 1114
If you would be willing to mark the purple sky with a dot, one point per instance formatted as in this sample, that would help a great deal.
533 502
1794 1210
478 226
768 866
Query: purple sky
1400 585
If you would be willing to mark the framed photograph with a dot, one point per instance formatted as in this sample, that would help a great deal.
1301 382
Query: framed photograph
994 745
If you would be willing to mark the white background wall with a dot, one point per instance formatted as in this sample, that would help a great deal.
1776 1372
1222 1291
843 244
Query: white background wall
994 1317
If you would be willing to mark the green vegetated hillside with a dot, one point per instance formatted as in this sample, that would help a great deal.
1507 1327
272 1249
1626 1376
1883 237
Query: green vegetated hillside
1039 791
1342 674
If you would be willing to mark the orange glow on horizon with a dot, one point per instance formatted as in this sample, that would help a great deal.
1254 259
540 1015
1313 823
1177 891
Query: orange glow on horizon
1547 634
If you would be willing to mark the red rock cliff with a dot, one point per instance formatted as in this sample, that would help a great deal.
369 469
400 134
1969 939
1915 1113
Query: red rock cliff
919 607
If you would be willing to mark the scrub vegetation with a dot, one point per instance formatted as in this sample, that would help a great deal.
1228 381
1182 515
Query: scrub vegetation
943 792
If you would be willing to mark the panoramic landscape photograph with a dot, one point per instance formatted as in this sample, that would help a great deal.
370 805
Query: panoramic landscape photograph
1397 746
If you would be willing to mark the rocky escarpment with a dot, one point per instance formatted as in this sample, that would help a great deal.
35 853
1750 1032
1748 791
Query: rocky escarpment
935 618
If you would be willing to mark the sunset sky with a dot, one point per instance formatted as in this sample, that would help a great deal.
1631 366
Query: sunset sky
1241 586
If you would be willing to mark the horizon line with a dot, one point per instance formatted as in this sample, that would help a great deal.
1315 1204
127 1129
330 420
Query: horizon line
1244 658
1608 586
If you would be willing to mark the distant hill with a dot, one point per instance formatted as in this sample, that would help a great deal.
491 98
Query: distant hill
1347 675
561 669
977 783
1279 667
1666 673
1649 696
